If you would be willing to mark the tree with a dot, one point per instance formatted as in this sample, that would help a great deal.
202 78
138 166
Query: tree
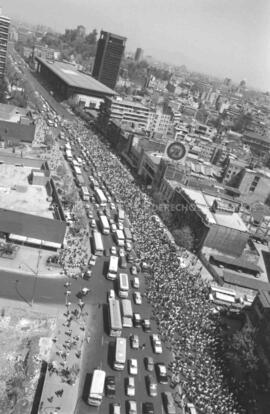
184 237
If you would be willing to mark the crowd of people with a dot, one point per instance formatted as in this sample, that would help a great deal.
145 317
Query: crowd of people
179 297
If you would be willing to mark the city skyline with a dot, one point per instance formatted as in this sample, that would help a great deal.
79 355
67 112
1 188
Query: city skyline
218 38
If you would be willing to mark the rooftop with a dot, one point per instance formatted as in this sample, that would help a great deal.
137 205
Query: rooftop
68 74
17 194
11 113
205 201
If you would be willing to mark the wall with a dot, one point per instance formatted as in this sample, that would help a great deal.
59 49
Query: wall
226 240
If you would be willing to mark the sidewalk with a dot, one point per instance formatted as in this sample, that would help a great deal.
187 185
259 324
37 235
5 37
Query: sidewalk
61 385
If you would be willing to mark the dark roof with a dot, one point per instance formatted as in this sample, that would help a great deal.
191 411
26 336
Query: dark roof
35 227
255 135
244 281
69 74
237 262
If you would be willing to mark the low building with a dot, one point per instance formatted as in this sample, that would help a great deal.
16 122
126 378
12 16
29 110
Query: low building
16 125
253 185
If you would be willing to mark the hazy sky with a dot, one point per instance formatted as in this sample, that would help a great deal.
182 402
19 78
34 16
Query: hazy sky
220 37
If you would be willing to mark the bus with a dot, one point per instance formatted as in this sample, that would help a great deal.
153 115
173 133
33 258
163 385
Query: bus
113 268
69 155
105 227
120 354
127 313
121 215
77 170
120 238
123 285
127 234
100 196
97 388
85 193
98 243
115 323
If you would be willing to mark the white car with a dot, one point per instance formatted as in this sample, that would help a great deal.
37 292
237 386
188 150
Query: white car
120 226
112 205
136 283
133 366
93 223
92 260
111 294
128 246
137 298
132 407
156 342
113 250
134 341
113 228
121 252
130 389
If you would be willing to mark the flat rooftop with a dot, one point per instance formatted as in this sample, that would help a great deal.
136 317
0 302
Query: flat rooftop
17 194
72 77
204 202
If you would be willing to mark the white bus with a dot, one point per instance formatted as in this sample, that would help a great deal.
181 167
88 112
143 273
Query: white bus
120 354
121 215
105 227
98 243
113 268
120 238
85 193
127 313
69 155
97 388
115 322
77 170
100 196
123 285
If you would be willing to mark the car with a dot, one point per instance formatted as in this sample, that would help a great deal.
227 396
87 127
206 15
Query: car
93 223
122 252
134 341
132 366
168 402
136 283
162 373
92 260
111 220
137 320
111 294
133 270
148 408
112 205
113 228
120 226
131 257
110 387
130 387
128 246
146 324
149 363
115 408
90 215
156 343
113 251
87 274
137 298
107 252
151 386
123 262
132 407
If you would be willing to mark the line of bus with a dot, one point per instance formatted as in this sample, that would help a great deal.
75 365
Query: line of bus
113 268
97 388
97 243
105 227
120 354
100 196
115 322
123 285
85 193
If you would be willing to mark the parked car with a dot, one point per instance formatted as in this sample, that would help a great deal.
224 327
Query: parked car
113 251
110 387
130 387
115 408
133 366
146 324
92 260
151 386
137 298
134 341
137 320
111 294
148 408
156 343
136 283
132 407
162 373
133 270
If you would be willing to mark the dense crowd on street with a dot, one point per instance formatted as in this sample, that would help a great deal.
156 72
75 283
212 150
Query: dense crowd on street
178 296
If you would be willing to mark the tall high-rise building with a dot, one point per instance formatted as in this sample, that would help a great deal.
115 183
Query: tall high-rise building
4 28
138 54
109 53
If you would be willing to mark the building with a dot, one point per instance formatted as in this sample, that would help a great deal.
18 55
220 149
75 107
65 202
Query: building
214 220
138 54
16 125
109 53
30 210
253 185
259 144
4 29
159 121
66 82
